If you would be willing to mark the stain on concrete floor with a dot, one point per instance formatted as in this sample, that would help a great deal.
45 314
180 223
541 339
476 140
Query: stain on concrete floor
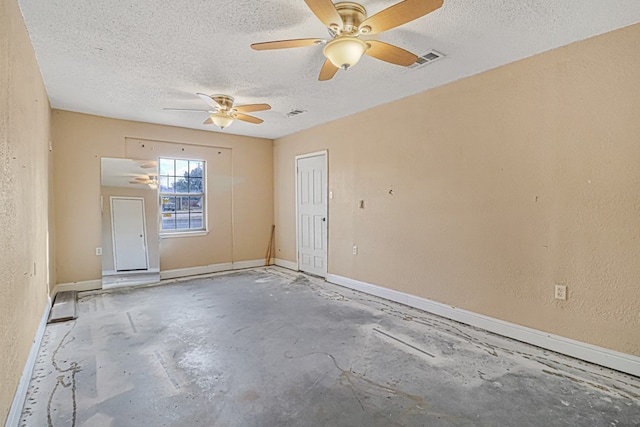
270 347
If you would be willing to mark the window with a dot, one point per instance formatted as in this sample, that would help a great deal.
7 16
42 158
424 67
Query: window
182 195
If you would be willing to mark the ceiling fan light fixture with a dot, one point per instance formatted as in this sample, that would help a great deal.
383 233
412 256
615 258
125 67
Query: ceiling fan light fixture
345 52
221 120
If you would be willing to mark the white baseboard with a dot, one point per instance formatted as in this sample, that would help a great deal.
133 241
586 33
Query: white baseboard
87 285
212 268
15 412
286 264
195 271
601 356
91 285
239 265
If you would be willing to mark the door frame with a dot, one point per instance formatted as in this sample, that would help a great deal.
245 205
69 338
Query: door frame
113 230
324 153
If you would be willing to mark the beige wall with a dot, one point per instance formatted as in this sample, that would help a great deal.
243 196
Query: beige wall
504 184
242 201
151 223
24 202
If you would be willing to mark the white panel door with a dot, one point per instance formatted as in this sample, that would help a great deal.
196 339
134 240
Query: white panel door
129 239
312 214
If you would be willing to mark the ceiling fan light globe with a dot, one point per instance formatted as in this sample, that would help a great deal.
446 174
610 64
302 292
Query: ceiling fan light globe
345 52
221 120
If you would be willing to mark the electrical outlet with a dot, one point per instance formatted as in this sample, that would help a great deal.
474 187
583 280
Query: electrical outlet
561 292
98 251
355 250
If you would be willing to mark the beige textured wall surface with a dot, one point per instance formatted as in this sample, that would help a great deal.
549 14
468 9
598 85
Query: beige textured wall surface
503 184
151 223
24 202
81 140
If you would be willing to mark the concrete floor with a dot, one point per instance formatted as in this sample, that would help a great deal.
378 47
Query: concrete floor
269 347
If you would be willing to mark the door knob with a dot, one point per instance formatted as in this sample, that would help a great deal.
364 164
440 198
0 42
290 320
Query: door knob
324 219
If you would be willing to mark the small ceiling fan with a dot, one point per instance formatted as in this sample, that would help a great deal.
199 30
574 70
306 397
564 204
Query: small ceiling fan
223 111
347 21
150 180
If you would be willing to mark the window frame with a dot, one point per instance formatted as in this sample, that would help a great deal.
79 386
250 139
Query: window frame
177 232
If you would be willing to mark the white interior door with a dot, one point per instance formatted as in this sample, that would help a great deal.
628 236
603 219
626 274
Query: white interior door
312 213
129 236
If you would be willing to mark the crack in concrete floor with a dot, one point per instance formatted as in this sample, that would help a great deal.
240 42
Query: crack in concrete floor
270 347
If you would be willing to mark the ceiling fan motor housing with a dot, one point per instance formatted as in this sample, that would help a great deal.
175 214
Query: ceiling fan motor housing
225 101
352 14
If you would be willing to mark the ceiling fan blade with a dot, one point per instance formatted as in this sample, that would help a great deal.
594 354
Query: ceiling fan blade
208 121
398 14
252 107
206 98
146 164
326 12
328 71
247 118
185 109
390 53
285 44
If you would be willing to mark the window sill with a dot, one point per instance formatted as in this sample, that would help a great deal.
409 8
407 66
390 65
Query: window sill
184 234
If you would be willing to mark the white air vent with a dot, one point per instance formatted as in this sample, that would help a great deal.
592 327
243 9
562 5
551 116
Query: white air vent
428 58
295 112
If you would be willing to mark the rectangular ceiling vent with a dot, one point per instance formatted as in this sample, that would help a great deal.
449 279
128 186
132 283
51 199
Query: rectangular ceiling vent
295 112
428 58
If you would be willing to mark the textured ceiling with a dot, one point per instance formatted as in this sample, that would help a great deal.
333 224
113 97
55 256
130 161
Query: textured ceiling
129 59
